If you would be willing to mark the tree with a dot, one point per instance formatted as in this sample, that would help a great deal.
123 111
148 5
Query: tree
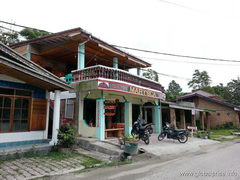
151 74
223 92
9 37
199 80
29 34
234 90
174 90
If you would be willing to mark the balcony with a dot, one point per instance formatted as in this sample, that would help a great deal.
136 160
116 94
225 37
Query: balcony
104 72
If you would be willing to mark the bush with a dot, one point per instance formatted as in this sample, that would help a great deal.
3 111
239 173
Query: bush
202 134
66 136
228 125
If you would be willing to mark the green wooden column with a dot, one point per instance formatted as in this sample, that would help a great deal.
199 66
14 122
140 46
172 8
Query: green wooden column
81 56
100 119
139 71
158 118
115 62
128 117
27 54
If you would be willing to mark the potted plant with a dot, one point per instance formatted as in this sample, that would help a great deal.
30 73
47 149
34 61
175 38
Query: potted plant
131 144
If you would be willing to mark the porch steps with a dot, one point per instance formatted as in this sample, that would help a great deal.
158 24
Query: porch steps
94 154
105 148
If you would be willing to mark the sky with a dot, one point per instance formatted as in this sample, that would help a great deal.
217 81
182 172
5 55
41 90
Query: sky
205 28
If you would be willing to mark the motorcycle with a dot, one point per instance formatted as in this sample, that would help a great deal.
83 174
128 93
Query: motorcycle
142 129
180 134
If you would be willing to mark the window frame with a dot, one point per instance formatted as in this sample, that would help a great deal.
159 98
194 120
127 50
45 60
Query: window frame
13 98
66 108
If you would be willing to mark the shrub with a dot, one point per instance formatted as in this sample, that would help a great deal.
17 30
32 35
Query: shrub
66 136
228 125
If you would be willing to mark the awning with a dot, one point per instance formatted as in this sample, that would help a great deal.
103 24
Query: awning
185 108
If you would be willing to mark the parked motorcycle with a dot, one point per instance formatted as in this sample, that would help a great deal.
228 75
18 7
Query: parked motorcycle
142 129
141 123
180 134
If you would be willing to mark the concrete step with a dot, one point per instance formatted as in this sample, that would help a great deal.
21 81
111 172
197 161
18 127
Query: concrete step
95 145
94 154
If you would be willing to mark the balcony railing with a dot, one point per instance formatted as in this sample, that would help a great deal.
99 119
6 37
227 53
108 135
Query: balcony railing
105 72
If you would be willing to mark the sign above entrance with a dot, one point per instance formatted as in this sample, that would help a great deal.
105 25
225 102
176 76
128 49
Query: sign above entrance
116 86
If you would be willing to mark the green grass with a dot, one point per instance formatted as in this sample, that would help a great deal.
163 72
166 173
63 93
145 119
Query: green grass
115 163
57 156
221 132
89 162
105 165
216 134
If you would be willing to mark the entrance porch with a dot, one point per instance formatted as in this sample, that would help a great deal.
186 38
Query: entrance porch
109 114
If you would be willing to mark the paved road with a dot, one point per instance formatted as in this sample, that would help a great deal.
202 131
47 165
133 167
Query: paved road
220 161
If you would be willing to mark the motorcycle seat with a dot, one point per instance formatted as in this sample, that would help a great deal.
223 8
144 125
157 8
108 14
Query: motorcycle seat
180 130
144 127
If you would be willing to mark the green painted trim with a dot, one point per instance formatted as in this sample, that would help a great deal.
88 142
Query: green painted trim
158 118
128 118
115 62
86 124
138 71
81 56
208 110
68 78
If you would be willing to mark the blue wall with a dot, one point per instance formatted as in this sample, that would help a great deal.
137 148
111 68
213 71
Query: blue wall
37 92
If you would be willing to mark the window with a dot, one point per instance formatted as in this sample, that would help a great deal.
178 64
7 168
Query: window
20 120
5 111
14 110
69 109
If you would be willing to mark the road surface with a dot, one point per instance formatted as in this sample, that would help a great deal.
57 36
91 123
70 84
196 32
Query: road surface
220 161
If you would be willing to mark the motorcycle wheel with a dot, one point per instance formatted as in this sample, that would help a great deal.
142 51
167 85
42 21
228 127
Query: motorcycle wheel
146 139
161 136
182 138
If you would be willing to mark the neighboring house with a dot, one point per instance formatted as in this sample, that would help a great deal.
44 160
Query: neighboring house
217 112
107 97
181 114
24 100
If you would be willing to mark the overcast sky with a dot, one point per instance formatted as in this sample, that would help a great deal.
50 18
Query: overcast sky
206 28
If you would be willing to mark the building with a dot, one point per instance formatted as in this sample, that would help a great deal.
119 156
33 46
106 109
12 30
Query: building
107 97
180 114
215 112
24 100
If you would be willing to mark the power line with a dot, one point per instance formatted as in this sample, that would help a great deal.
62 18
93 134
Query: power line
136 49
189 62
27 27
169 75
93 56
176 55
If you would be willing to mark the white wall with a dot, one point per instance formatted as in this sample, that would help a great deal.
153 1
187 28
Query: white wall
64 95
21 136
